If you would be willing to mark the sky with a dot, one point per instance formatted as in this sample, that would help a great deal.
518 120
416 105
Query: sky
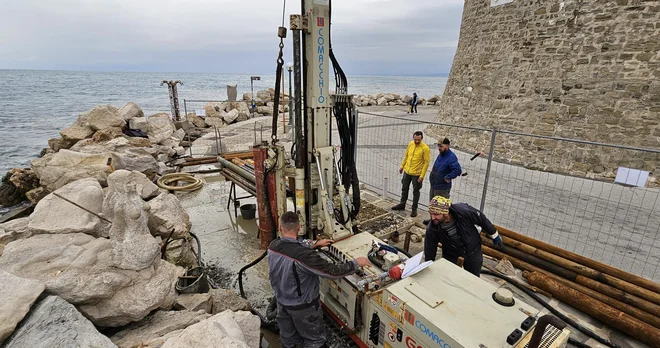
370 37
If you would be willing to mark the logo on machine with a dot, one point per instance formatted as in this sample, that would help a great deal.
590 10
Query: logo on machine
411 343
432 335
410 318
320 21
320 49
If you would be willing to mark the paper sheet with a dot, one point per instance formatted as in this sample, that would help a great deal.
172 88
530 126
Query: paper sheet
414 265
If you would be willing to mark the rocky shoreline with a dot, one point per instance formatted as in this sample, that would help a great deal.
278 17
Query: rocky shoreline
97 261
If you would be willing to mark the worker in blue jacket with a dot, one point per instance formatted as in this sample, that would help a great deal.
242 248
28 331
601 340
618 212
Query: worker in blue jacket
445 169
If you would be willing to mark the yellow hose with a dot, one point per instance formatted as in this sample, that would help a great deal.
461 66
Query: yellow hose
173 178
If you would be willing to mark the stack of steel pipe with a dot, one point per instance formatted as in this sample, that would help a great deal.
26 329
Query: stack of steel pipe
619 299
240 175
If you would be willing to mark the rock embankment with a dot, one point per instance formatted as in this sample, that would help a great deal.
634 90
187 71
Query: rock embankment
90 256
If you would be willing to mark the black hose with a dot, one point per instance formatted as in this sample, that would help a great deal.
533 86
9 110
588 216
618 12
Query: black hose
265 323
403 251
577 343
553 310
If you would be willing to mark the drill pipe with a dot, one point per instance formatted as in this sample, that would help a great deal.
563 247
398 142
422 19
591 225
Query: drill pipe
585 271
615 272
236 169
597 309
238 180
635 312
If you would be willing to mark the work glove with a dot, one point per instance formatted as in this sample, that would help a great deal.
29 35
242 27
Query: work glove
497 241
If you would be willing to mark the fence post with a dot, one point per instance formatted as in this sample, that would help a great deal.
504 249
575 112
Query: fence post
490 161
385 188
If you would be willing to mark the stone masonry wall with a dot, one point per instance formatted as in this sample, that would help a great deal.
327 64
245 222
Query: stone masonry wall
579 69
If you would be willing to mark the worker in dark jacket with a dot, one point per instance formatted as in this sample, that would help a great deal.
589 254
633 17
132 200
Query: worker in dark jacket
445 169
294 270
454 227
413 103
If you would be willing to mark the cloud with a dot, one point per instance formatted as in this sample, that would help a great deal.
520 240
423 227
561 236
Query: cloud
369 36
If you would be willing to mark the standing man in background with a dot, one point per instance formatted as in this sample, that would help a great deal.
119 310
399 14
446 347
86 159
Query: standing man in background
413 167
445 169
413 103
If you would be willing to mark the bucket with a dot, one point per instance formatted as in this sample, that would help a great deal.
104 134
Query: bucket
248 211
194 281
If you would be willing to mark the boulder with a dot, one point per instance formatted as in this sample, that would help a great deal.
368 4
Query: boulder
133 247
18 295
140 123
180 150
160 127
168 218
180 253
231 116
36 195
56 215
15 183
55 323
80 269
390 97
155 326
265 110
139 142
179 135
165 169
214 109
215 121
107 134
197 121
194 302
220 330
243 112
14 230
74 134
226 299
57 170
382 101
247 96
81 121
264 96
57 144
434 99
130 111
104 116
407 99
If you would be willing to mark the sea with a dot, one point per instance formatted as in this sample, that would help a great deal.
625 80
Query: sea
36 104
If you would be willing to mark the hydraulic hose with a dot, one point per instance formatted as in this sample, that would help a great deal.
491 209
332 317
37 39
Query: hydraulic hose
553 310
265 323
167 179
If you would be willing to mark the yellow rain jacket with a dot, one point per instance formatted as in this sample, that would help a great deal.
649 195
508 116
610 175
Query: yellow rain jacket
417 158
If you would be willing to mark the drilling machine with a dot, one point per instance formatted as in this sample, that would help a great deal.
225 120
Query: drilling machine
441 305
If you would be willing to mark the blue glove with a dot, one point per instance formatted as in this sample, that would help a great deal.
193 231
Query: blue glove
498 241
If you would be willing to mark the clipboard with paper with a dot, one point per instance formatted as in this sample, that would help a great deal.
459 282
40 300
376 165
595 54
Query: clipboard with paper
414 265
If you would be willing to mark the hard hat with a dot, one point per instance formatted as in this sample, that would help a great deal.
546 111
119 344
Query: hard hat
439 205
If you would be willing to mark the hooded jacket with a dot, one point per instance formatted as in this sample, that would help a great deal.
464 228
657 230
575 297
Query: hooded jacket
446 166
416 159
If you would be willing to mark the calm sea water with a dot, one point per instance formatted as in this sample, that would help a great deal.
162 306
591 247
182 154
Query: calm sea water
35 105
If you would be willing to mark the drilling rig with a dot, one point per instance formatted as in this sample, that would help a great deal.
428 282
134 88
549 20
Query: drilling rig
441 305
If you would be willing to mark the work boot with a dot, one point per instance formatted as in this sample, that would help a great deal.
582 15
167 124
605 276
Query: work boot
413 213
426 222
400 206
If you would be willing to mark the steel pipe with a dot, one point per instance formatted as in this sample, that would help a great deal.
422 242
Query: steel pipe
236 169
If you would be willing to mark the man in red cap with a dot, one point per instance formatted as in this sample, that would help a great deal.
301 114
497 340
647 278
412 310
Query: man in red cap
453 225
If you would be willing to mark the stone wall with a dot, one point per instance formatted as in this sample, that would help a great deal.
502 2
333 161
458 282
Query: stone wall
579 69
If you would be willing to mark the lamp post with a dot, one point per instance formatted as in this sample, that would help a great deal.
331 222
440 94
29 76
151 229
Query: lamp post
289 67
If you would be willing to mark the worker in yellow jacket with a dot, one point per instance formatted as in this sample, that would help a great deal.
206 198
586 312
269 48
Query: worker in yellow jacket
413 167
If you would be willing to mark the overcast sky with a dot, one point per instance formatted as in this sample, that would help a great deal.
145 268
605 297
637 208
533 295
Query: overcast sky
392 37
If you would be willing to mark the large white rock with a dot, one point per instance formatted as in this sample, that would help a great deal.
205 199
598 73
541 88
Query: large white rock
18 295
264 96
145 187
14 230
197 121
179 135
247 96
214 109
75 133
133 247
55 323
194 302
140 123
265 110
129 111
215 121
155 326
382 101
243 112
160 127
231 116
104 116
56 215
226 299
167 216
59 169
79 268
220 330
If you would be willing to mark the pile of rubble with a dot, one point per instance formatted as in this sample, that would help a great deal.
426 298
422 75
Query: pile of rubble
105 246
391 99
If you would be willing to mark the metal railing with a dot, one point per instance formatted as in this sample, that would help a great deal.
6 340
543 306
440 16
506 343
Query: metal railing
549 198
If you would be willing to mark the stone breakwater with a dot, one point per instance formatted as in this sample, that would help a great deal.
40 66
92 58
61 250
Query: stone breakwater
567 68
67 273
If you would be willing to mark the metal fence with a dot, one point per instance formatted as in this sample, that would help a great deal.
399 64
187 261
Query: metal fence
611 223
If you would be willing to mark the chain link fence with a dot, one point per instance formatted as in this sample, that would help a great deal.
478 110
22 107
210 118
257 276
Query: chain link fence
552 196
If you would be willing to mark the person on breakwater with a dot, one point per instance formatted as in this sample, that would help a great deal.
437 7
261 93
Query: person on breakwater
294 270
413 167
413 103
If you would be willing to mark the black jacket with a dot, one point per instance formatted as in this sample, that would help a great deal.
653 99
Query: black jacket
466 217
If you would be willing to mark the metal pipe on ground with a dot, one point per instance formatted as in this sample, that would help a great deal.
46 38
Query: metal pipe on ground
238 170
240 181
640 314
611 316
615 272
622 285
206 161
